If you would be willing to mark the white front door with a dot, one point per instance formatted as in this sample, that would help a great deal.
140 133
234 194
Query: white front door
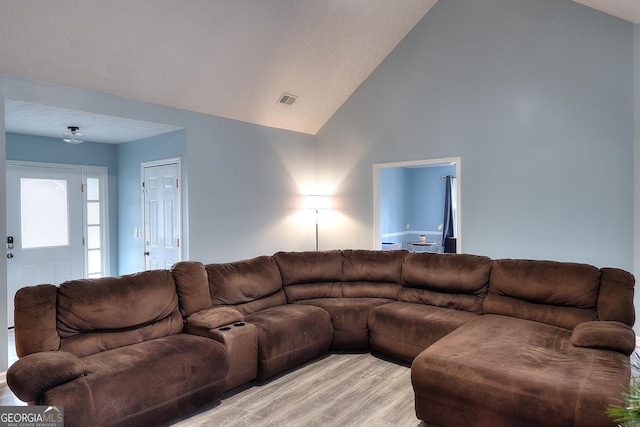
44 228
161 206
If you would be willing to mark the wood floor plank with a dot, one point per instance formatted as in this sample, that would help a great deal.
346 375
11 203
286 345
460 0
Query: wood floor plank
338 390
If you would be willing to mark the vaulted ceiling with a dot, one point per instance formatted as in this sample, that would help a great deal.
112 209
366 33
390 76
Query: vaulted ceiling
229 58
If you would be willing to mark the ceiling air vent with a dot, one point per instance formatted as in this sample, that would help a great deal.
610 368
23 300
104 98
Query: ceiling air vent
287 98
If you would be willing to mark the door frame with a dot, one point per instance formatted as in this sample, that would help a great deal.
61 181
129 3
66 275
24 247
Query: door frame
154 163
87 172
377 167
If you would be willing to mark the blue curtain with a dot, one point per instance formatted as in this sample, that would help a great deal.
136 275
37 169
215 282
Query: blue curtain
448 241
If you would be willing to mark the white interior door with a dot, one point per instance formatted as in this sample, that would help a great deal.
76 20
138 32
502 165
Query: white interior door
44 228
162 220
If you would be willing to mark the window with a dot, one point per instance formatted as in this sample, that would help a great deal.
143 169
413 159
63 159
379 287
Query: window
95 235
93 241
44 215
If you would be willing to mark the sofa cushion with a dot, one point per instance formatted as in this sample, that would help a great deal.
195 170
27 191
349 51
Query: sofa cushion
606 335
243 281
274 300
213 317
36 373
305 291
403 329
144 384
615 300
93 342
98 314
192 286
289 335
499 370
349 318
558 293
309 267
35 319
372 266
446 280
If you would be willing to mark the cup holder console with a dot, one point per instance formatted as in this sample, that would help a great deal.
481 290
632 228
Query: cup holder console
229 327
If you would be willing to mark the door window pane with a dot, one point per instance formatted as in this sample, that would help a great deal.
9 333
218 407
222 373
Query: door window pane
93 189
44 213
93 213
93 237
94 261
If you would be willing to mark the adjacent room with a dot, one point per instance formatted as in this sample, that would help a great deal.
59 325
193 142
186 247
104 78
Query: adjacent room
199 131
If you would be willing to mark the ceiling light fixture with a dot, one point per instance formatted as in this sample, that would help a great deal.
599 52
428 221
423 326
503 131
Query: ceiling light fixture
72 136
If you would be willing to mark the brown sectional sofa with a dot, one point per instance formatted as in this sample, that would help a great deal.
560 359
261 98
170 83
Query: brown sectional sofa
502 342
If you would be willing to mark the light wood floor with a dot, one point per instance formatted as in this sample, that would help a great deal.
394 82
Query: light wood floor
338 390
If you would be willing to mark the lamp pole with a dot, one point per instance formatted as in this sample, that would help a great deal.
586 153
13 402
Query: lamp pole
316 229
316 203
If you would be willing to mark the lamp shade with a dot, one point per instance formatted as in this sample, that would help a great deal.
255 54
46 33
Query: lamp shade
317 202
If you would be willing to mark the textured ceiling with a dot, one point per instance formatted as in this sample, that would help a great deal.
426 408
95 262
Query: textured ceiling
626 9
229 58
43 120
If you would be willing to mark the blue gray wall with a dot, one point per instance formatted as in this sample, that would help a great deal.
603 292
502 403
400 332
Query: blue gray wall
425 197
536 98
246 190
130 155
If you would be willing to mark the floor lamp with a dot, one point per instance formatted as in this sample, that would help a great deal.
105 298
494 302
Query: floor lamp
317 203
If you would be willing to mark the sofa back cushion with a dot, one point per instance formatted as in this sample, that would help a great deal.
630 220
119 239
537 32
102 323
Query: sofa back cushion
372 274
615 300
307 275
99 314
35 320
192 285
558 293
446 280
250 285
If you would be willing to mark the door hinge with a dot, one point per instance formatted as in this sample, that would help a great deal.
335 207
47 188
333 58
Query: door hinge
177 183
178 242
82 188
144 189
83 241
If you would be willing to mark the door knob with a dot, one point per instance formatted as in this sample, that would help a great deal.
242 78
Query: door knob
146 253
9 255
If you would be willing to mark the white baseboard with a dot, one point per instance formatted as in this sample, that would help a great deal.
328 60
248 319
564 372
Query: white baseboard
637 341
3 378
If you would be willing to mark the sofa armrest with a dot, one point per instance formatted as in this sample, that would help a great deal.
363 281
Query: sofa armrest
36 373
605 335
212 318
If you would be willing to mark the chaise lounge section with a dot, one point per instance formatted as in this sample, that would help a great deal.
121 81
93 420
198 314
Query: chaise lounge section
491 342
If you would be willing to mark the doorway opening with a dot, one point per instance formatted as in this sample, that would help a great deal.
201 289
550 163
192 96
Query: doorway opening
409 204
